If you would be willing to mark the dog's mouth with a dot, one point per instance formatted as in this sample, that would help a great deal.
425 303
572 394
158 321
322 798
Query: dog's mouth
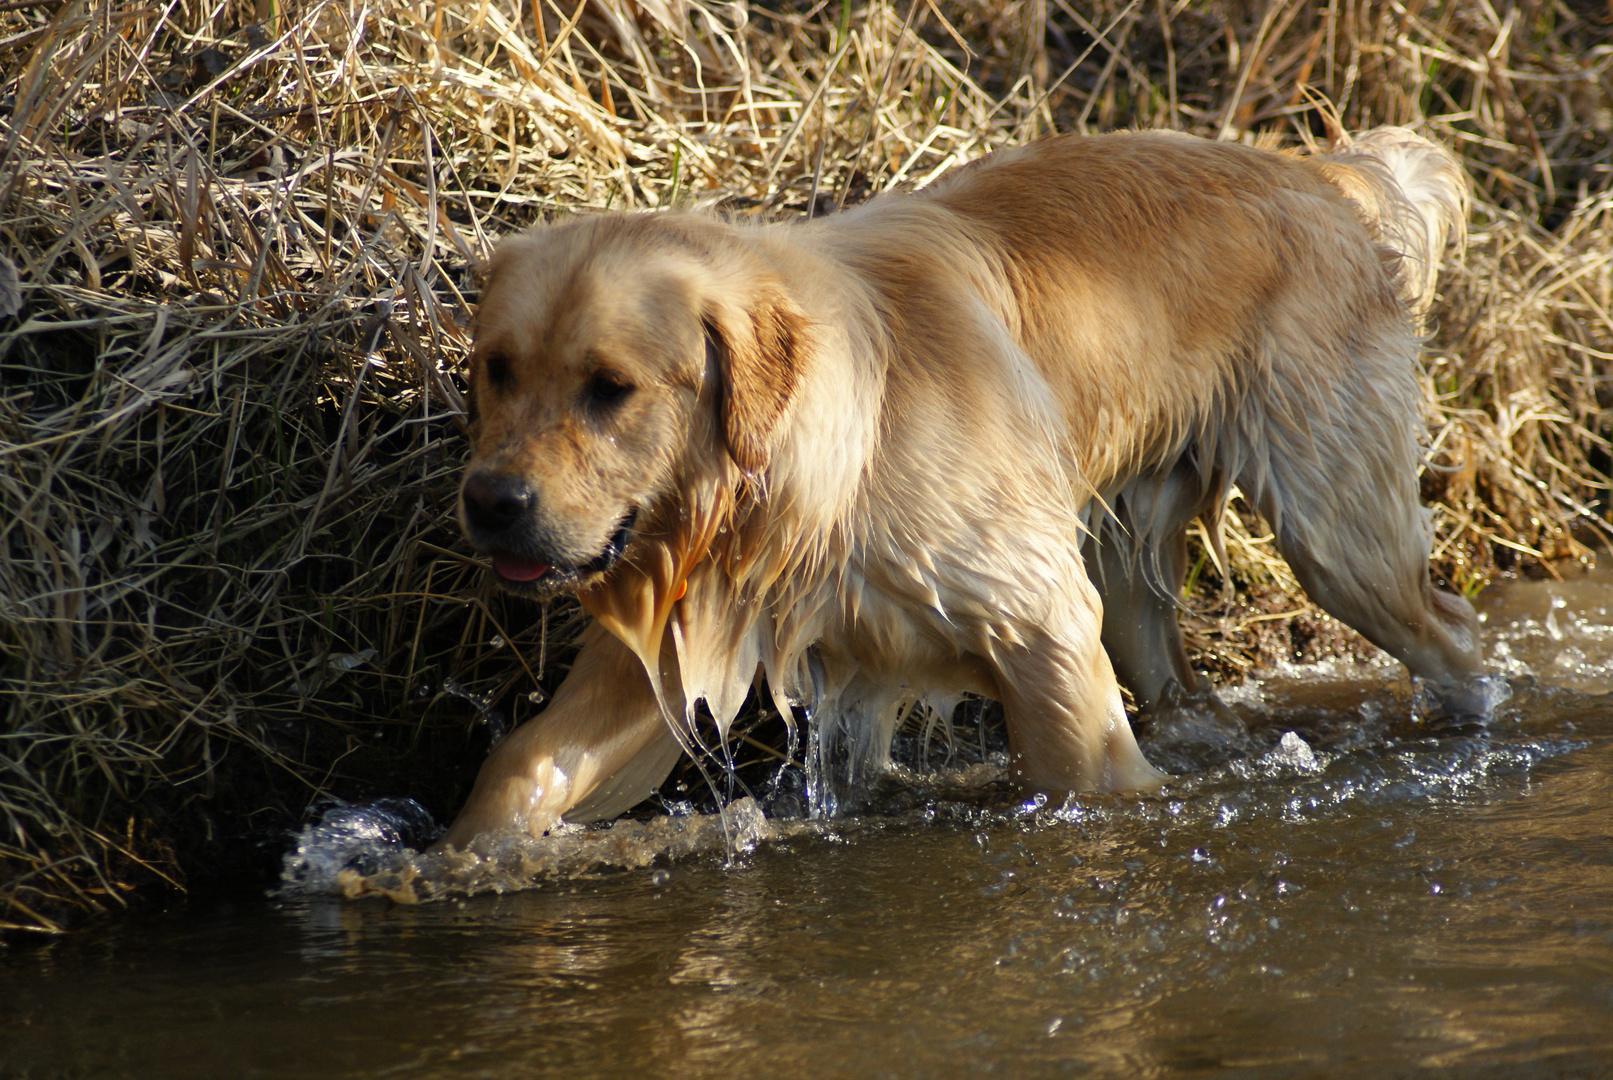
521 574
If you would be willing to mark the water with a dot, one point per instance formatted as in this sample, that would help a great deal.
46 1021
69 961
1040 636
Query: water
1369 894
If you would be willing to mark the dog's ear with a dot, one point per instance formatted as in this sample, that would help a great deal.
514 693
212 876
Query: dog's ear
759 350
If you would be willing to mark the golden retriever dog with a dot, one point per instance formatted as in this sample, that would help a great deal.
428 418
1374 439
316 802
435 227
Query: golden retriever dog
949 443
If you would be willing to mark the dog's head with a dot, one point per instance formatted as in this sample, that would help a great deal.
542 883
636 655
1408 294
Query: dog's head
616 359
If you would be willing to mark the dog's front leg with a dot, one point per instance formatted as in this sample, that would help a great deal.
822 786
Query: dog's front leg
1067 727
602 725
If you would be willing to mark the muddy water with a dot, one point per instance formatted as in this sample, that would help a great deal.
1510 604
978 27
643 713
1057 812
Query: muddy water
1369 895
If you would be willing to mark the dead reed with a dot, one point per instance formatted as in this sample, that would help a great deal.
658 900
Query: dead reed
237 241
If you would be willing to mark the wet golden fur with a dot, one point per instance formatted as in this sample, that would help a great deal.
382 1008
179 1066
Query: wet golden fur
948 443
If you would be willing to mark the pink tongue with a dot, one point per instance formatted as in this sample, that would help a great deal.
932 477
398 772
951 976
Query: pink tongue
515 568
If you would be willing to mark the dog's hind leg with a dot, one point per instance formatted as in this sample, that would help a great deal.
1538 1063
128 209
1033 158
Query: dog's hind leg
1341 497
1140 563
1375 579
1138 560
600 747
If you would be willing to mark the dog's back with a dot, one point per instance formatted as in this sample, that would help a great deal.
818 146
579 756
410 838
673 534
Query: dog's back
1164 284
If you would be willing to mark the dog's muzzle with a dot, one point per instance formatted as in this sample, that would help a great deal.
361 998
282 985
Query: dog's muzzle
502 520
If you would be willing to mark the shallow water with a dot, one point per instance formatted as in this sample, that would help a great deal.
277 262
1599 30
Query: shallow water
1371 895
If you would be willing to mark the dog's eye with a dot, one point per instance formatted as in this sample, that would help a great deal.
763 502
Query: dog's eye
606 390
497 369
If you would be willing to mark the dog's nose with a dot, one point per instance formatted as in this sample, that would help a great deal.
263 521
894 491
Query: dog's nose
494 501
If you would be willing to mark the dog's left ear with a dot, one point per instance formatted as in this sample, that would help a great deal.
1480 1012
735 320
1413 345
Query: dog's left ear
759 351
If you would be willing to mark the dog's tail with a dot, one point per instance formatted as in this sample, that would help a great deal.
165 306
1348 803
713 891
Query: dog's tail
1413 195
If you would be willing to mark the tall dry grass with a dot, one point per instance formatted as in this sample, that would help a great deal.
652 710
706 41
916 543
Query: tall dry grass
237 243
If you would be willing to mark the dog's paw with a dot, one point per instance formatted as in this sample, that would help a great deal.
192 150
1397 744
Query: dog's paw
1191 731
1461 709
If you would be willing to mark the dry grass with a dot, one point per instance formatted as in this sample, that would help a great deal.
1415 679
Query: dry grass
244 234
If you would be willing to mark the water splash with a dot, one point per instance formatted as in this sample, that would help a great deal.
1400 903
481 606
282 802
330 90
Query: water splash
354 839
1292 753
334 858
